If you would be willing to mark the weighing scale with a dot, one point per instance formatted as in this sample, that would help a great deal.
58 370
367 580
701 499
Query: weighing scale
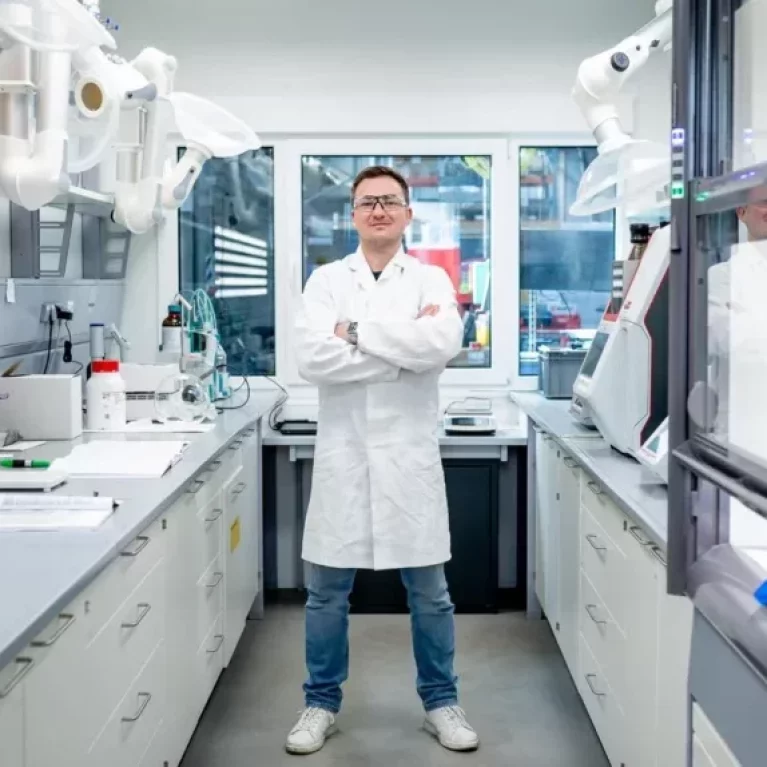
653 455
623 382
471 416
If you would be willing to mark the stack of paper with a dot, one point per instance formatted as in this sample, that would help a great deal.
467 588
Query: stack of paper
30 512
136 459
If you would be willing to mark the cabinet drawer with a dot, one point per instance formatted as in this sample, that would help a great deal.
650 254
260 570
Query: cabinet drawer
205 538
208 665
121 649
113 586
708 743
236 490
604 637
12 714
604 511
605 564
134 722
603 708
210 596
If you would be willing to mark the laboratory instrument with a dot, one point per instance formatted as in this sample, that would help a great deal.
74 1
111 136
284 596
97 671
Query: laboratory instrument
105 397
627 171
141 384
472 416
623 380
42 407
653 455
183 397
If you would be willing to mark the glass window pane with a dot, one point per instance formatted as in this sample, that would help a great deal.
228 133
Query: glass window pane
226 248
565 260
450 198
728 400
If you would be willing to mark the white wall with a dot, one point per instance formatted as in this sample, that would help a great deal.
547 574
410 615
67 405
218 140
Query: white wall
436 66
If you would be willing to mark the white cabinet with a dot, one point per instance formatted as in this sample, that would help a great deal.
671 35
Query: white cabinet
547 522
12 711
568 504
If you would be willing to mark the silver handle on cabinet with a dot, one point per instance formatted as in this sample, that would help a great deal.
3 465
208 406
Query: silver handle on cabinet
236 445
25 666
636 534
593 689
220 638
144 609
147 696
590 610
658 554
68 621
571 463
239 488
219 577
214 466
546 437
143 543
196 486
595 488
593 540
216 515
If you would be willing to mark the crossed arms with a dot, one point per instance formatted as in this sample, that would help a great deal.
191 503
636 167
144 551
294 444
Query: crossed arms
384 347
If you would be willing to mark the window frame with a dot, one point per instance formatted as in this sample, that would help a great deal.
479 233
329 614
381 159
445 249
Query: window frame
289 240
534 141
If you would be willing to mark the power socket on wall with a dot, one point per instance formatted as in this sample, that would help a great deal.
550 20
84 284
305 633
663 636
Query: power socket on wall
48 313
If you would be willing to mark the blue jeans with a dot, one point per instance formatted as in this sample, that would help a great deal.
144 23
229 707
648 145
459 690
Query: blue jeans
327 635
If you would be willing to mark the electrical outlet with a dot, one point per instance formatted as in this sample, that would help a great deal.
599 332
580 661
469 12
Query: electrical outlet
47 313
70 306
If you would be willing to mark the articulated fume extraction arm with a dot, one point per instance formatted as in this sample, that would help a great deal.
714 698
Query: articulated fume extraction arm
57 38
599 81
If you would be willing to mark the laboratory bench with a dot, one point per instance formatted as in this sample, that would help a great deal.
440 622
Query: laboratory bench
485 484
112 640
597 573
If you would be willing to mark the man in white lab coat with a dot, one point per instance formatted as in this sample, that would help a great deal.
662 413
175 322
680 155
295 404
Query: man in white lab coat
374 333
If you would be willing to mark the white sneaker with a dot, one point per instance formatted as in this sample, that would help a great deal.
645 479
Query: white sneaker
450 727
311 731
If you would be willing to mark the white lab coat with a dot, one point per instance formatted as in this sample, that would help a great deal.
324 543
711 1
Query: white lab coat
378 491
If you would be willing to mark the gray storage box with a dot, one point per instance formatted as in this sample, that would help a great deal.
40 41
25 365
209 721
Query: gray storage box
559 369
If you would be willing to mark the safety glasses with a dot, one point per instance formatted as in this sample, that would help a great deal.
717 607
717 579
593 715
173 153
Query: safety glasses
389 202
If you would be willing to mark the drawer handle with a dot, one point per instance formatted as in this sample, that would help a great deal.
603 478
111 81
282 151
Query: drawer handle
591 609
593 689
216 515
236 445
594 541
220 638
143 610
143 543
219 577
25 666
68 621
571 463
595 488
214 466
636 534
196 486
658 554
146 696
239 488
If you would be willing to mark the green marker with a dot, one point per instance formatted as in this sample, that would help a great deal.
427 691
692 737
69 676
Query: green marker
18 463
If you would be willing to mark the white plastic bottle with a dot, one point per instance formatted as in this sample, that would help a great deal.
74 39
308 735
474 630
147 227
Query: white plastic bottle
105 397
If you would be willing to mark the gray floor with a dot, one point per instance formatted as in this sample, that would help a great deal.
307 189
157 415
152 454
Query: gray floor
514 686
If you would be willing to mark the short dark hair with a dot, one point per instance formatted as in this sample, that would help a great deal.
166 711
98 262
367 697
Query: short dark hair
381 171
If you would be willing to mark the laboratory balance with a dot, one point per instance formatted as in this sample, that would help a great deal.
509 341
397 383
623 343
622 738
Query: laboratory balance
470 417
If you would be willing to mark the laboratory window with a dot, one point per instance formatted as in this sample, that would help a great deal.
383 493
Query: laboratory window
450 198
226 248
565 261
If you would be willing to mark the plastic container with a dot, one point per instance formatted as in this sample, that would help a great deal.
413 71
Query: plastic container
558 371
171 330
105 397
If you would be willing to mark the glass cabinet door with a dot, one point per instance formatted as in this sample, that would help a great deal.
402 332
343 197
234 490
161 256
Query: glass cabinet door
226 248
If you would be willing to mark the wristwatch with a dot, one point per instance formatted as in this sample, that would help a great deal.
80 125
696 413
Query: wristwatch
351 333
